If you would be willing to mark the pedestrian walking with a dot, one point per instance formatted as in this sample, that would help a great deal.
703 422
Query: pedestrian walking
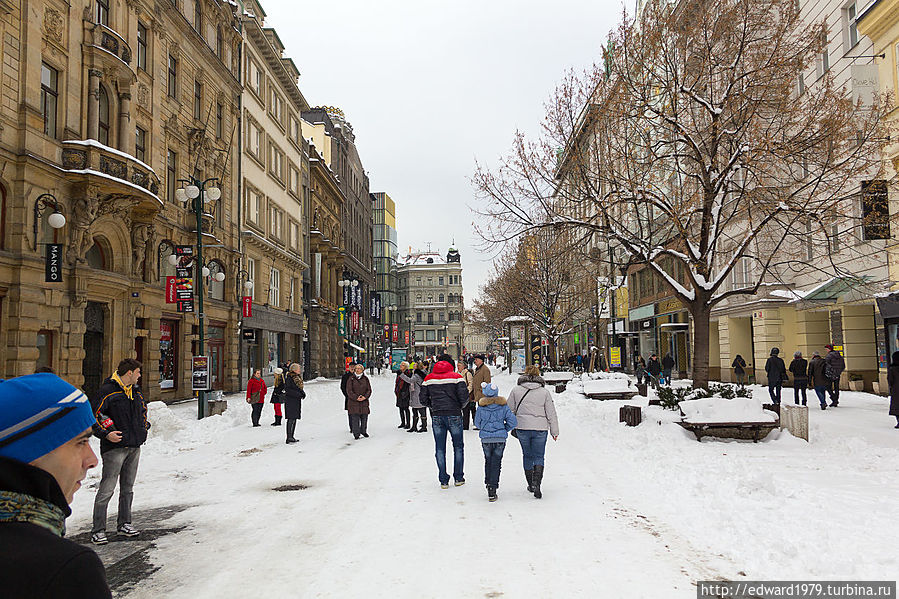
893 382
415 377
45 453
278 394
818 378
739 366
358 389
351 369
799 370
480 375
532 404
777 374
256 391
401 390
468 412
654 368
294 394
835 365
445 393
494 420
121 425
667 367
639 368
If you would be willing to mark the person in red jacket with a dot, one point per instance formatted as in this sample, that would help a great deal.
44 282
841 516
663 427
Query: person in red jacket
256 391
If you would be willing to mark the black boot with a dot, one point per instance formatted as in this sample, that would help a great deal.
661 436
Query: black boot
538 478
491 493
291 428
414 422
277 421
529 476
403 422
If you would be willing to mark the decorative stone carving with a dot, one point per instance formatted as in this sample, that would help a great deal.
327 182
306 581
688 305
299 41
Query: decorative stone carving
85 210
74 159
139 177
110 43
126 55
113 167
54 25
141 235
143 96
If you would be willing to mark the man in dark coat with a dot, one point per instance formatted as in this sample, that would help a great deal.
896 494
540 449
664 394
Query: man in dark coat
654 368
667 367
817 378
293 398
445 392
777 374
799 370
45 452
343 381
835 365
121 424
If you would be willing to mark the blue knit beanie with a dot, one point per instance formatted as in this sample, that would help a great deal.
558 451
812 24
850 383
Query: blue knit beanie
489 389
38 413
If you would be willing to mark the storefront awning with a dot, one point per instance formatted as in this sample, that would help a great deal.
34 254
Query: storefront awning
830 291
674 325
889 305
354 346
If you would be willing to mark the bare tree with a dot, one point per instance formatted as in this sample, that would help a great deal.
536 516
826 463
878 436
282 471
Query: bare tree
692 151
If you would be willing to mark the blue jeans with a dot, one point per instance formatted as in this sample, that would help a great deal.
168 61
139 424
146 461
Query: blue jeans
533 446
666 374
493 461
822 397
774 392
440 425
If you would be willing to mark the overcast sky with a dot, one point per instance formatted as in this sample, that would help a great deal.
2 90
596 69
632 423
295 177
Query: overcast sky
430 87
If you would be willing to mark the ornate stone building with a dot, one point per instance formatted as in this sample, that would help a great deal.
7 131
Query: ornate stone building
108 105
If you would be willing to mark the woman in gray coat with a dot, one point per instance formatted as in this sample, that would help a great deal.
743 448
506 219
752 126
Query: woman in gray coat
533 406
415 379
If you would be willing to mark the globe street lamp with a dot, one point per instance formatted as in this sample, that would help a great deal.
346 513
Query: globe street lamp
56 220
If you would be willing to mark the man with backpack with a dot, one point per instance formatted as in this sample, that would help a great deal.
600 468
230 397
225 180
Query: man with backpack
834 365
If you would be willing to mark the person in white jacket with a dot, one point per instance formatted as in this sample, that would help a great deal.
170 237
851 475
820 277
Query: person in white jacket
533 406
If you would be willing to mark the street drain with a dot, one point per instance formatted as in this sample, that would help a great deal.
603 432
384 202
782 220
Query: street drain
283 488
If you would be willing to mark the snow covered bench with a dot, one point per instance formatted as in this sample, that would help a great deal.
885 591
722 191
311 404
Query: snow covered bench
609 388
727 418
557 379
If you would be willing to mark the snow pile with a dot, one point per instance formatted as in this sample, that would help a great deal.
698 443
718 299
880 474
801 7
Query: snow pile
606 385
172 431
715 410
594 376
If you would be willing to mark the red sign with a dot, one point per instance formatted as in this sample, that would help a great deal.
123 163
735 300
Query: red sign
407 337
346 365
396 333
247 303
165 330
354 321
170 290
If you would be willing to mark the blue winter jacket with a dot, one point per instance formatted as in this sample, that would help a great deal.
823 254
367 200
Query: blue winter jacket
494 419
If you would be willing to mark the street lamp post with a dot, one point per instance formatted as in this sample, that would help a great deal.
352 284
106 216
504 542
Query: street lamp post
248 286
56 220
351 283
197 193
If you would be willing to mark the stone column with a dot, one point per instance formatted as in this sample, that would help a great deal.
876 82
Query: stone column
93 103
126 131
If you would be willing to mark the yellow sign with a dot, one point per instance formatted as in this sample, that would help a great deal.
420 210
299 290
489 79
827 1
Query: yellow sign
669 305
615 357
621 302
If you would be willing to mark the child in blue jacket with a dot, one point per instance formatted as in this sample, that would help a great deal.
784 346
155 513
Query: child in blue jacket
495 420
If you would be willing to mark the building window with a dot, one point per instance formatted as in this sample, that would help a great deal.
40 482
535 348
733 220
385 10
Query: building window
440 281
104 117
430 298
293 290
142 42
809 249
824 59
140 144
276 223
171 174
255 77
430 334
219 120
198 100
254 202
254 140
274 288
276 162
852 25
440 299
293 181
277 106
44 349
442 316
295 235
103 12
418 317
198 16
430 318
295 131
168 354
173 77
219 44
49 98
875 210
251 276
216 288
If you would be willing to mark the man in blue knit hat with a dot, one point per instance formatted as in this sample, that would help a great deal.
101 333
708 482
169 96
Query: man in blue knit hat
45 452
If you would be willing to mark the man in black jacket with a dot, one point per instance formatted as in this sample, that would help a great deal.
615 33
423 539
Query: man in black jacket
445 392
121 424
777 374
834 367
45 452
346 400
667 367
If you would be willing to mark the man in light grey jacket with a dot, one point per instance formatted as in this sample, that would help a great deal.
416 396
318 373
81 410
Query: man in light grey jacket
533 406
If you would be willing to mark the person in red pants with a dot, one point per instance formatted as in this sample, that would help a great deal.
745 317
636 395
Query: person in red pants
256 391
278 395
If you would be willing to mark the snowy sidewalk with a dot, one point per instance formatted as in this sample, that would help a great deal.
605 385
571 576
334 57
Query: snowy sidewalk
629 512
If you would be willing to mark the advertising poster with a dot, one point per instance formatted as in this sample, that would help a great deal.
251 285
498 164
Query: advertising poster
201 379
615 358
519 360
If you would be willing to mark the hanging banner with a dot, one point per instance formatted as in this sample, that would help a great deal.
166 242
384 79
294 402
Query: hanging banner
247 304
341 320
317 261
354 320
170 290
53 263
185 305
615 357
372 311
184 289
536 350
200 378
396 333
407 337
386 331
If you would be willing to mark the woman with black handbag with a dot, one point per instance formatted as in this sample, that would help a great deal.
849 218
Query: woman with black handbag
293 396
278 394
533 407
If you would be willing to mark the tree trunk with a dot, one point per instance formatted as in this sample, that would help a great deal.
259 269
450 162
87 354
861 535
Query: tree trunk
551 346
701 314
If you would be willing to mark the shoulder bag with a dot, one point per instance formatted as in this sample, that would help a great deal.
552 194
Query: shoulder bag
515 430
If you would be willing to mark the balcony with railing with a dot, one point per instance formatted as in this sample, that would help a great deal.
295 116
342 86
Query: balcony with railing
111 171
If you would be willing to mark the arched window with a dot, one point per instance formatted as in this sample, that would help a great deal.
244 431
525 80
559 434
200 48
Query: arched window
430 298
440 299
103 137
216 288
96 256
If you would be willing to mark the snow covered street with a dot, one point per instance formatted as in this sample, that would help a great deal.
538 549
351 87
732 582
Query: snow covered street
627 512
